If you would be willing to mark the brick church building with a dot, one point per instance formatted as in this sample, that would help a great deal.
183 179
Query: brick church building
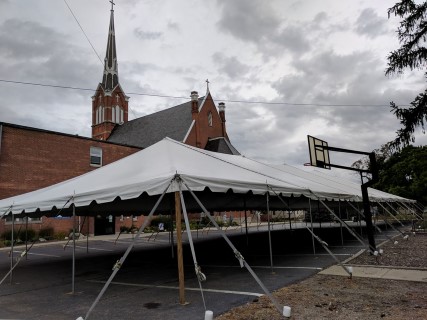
33 158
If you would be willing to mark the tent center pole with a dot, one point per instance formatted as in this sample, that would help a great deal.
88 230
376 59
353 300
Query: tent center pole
179 249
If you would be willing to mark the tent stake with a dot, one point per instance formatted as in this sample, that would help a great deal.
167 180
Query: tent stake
179 248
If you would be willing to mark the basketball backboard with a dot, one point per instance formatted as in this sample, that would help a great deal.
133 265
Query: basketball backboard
319 155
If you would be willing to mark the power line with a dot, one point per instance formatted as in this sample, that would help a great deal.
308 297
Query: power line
81 28
187 98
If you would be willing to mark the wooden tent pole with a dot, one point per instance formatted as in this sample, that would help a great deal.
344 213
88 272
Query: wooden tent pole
179 248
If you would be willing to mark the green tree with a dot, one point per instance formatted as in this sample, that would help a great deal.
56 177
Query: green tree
405 173
412 54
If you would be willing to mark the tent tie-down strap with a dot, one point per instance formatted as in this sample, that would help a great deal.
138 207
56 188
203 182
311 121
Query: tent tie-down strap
390 224
376 227
413 212
200 276
323 243
23 254
4 214
343 223
325 246
120 262
236 252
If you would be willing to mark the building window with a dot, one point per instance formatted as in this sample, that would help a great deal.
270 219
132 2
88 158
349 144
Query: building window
117 114
95 156
210 119
99 115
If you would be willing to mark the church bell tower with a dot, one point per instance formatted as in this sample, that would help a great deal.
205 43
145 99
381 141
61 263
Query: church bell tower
109 103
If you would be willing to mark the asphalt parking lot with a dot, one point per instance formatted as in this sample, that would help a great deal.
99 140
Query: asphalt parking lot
147 286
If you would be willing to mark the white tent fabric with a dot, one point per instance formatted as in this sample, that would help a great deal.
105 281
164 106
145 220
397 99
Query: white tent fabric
151 171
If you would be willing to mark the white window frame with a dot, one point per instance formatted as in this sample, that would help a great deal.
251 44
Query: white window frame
95 152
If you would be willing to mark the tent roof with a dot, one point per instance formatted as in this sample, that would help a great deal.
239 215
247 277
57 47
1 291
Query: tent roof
151 171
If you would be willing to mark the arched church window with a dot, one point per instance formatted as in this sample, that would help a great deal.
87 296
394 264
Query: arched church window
117 114
99 115
210 119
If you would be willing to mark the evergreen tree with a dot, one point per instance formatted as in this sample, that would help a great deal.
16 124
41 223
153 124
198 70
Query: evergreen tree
405 173
412 35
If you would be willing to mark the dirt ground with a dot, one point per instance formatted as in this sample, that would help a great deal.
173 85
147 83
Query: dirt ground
337 297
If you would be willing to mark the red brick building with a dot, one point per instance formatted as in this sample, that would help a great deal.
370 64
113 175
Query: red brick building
32 158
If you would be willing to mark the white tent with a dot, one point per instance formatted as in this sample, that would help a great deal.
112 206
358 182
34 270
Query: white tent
220 181
122 185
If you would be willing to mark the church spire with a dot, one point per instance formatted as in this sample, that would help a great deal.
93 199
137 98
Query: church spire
111 71
109 103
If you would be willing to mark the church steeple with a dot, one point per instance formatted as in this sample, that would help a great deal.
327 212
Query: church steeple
111 71
109 103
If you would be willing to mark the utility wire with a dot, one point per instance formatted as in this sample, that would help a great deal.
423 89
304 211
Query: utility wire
81 28
187 98
93 48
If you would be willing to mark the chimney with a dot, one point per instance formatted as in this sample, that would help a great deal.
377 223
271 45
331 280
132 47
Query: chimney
221 109
194 102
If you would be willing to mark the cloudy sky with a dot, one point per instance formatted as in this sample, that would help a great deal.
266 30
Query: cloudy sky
315 67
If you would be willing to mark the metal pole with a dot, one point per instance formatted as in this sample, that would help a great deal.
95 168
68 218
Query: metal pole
246 221
26 237
87 235
120 262
269 233
339 212
312 231
368 218
179 248
74 249
11 247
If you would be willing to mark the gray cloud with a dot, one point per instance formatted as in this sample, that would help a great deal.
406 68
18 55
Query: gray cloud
370 24
174 26
231 66
147 35
248 20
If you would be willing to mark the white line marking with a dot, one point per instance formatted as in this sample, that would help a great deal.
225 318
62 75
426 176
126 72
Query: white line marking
177 288
346 247
264 267
38 254
81 247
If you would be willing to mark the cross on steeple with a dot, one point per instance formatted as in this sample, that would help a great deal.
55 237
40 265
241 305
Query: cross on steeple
112 5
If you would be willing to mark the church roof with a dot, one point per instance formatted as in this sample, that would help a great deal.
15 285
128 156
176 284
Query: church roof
145 131
221 145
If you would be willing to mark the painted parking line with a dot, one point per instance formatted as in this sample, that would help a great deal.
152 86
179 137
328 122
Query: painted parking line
244 293
346 246
303 255
38 254
90 248
263 267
